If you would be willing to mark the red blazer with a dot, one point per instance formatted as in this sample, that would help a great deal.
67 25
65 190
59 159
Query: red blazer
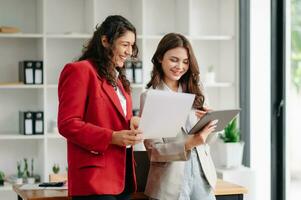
89 111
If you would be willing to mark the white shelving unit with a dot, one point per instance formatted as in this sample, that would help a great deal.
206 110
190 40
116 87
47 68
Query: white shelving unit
56 30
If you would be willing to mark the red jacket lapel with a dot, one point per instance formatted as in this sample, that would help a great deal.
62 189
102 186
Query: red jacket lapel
128 100
113 96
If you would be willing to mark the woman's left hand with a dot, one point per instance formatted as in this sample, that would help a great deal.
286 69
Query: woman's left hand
134 124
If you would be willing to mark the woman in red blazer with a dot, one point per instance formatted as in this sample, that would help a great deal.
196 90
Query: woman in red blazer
95 114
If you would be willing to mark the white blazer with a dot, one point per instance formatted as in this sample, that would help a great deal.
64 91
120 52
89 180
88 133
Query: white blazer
165 177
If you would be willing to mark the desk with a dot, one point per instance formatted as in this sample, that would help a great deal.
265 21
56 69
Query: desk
224 191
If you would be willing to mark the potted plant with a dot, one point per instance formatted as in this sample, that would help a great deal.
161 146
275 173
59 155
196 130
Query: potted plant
56 176
55 168
25 170
19 179
31 178
210 75
2 176
227 150
231 132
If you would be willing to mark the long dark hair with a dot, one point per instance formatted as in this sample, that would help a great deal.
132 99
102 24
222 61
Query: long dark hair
112 27
190 81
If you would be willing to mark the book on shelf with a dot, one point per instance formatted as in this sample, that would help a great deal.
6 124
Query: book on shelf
9 29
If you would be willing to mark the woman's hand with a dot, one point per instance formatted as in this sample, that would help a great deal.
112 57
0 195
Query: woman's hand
201 113
134 124
126 137
201 137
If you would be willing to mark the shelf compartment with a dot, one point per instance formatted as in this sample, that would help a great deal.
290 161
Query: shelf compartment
130 9
59 53
78 21
17 150
213 17
220 99
13 101
165 16
149 50
51 110
22 49
139 43
27 15
55 148
221 55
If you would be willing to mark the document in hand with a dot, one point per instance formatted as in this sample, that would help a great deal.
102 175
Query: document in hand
223 117
164 113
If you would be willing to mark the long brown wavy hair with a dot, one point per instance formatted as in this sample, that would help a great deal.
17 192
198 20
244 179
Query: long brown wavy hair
112 27
190 81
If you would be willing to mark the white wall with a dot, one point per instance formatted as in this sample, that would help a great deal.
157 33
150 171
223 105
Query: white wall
260 95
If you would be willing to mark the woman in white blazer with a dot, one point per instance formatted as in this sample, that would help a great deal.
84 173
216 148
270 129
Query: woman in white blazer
181 168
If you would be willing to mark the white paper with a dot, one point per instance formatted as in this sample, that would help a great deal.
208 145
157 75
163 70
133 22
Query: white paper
164 113
37 187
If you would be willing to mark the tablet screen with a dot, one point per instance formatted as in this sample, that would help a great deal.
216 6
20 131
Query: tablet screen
223 117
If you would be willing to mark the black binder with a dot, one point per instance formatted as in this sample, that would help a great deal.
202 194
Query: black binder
129 71
38 72
26 123
136 112
38 122
138 75
26 72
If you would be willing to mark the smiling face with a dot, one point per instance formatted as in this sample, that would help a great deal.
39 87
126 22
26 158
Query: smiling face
123 48
175 64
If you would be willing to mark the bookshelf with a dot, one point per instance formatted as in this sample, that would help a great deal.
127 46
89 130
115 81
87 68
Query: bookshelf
210 25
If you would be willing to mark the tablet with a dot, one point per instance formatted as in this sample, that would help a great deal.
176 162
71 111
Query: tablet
223 117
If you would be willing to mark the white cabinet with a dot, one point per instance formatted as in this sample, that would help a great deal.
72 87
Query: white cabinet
243 176
56 30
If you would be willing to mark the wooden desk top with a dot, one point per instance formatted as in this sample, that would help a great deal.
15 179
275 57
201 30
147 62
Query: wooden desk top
41 194
222 188
226 188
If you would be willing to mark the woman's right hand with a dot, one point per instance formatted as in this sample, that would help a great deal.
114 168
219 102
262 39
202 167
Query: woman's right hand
200 137
126 137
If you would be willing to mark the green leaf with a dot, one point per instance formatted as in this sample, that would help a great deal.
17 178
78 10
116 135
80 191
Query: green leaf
231 132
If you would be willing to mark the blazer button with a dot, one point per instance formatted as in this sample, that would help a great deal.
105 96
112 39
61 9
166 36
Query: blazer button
94 152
